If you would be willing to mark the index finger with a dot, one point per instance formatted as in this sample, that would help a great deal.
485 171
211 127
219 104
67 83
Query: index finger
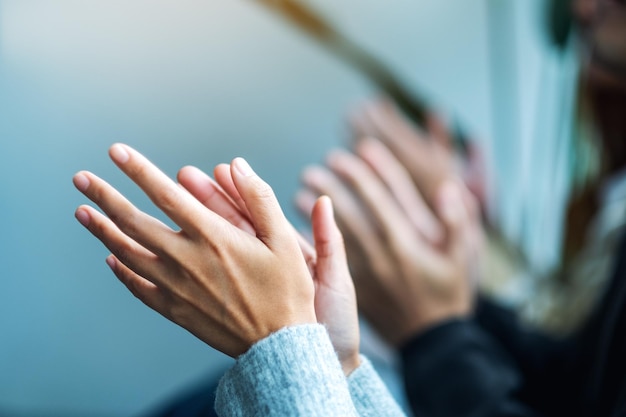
176 203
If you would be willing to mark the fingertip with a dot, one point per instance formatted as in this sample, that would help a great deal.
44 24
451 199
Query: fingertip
327 203
324 210
327 236
221 168
190 174
305 201
334 153
83 216
223 174
242 167
81 181
186 170
111 262
336 158
119 153
312 175
182 174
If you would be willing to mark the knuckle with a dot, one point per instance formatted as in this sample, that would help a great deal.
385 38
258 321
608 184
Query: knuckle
133 288
169 198
178 313
137 170
264 191
97 193
126 220
124 253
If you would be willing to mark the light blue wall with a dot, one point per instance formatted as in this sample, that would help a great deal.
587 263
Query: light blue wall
186 82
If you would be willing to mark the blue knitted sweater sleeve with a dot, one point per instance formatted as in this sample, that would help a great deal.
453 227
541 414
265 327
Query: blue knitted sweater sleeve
370 395
295 372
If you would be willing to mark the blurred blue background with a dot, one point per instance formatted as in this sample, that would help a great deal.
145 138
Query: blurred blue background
194 82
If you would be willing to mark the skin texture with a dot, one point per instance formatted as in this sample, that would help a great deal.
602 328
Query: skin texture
230 279
405 283
335 298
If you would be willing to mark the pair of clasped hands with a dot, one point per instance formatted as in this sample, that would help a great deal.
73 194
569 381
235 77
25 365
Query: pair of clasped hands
236 271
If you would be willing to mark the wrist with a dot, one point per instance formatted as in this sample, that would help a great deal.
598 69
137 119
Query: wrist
350 364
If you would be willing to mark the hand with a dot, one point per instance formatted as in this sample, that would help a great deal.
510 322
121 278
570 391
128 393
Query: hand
335 299
404 282
227 287
427 154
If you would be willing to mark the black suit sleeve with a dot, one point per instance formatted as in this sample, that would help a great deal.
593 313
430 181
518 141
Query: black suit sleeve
490 366
457 369
552 368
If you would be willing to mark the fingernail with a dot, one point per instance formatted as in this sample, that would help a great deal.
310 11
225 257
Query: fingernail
119 154
328 202
111 262
81 182
83 217
243 167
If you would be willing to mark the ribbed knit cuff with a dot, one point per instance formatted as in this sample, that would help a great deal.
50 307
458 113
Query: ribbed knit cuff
369 394
293 372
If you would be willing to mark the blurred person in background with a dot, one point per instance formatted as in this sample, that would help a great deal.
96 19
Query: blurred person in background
463 355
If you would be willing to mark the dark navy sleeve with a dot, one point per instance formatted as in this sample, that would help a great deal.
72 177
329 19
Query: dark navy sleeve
458 369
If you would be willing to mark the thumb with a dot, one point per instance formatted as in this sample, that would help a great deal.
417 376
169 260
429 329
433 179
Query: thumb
331 254
265 213
454 215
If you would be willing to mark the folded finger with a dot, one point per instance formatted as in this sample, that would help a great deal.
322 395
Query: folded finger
224 178
212 196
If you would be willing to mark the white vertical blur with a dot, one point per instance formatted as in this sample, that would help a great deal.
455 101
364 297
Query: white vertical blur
533 97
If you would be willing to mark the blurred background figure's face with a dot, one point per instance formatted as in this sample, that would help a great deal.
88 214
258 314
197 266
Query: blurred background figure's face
604 27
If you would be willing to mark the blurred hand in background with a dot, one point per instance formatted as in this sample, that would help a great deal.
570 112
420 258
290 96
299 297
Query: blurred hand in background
413 267
428 154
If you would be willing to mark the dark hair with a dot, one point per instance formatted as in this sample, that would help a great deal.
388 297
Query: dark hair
559 21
